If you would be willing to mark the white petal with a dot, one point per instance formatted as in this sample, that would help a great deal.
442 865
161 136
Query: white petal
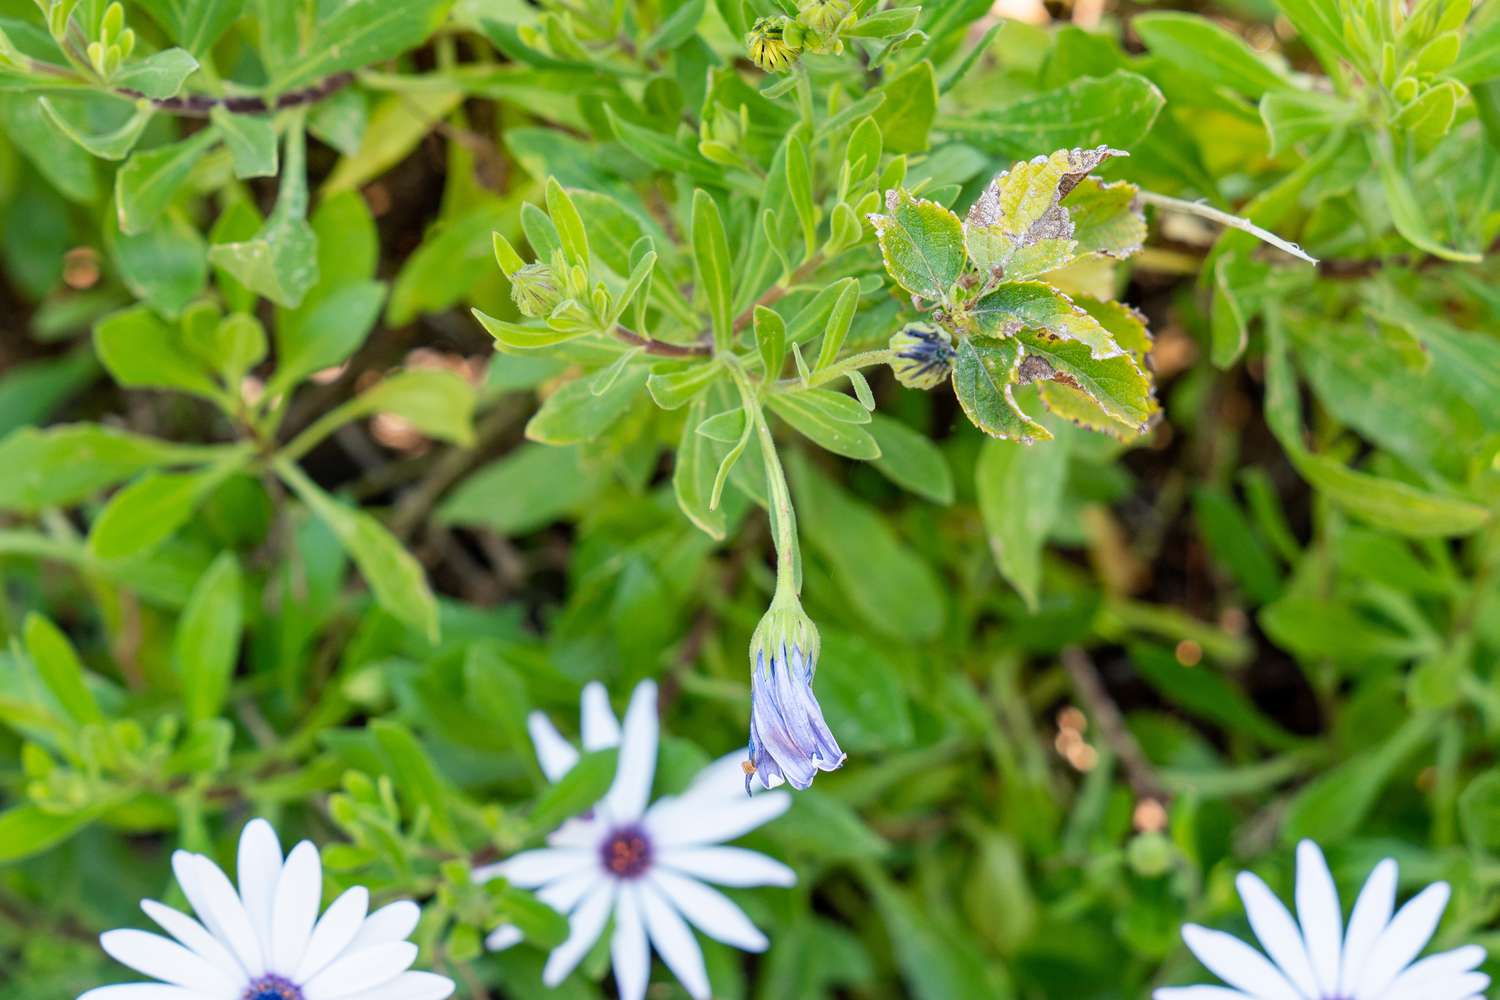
257 870
555 754
160 958
674 942
144 991
361 970
196 937
579 833
1238 964
1422 979
732 866
530 869
503 937
636 768
1320 916
1403 939
1455 987
709 910
584 927
392 922
1372 911
219 907
567 892
1199 993
409 986
1277 932
723 779
628 949
600 728
335 931
295 907
693 820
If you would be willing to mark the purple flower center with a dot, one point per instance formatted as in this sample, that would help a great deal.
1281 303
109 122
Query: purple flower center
626 852
271 988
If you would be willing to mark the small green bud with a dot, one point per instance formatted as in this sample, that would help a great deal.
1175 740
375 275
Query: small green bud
534 290
114 20
774 43
1150 854
96 57
922 356
824 16
127 42
1406 90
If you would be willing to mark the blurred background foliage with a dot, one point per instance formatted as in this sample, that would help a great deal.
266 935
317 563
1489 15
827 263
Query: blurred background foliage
323 573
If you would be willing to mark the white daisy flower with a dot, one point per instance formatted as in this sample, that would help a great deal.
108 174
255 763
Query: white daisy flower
646 866
1315 958
266 941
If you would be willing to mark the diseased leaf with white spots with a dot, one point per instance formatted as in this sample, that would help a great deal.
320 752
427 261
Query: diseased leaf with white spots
1038 306
983 373
1117 384
1105 217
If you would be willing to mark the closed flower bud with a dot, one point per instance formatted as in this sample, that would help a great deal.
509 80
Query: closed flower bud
534 290
824 16
921 356
774 43
789 741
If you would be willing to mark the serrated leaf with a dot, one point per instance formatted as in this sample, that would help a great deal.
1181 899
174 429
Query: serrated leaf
1105 217
1038 306
983 373
922 244
1116 383
1021 209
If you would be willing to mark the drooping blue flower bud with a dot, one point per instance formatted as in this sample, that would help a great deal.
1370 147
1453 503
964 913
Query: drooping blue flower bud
789 741
921 355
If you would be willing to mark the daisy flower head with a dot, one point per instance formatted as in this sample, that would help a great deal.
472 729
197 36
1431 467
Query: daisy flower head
789 741
1315 957
646 863
266 940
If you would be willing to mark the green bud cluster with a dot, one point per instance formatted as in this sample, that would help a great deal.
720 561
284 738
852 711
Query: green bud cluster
114 44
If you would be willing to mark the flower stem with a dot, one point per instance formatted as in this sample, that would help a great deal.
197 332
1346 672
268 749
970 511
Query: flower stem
783 516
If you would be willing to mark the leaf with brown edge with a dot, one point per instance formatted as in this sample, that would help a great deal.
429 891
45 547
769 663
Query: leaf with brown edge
922 244
1020 208
1117 384
983 373
1039 306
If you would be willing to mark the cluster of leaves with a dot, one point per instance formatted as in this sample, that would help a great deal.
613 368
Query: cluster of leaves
1269 578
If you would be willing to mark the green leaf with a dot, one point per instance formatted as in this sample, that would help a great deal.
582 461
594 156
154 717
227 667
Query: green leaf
152 509
574 413
26 830
1020 489
1293 117
839 320
922 244
892 588
676 28
695 468
158 76
207 642
1406 211
564 214
1202 47
1117 383
1115 110
1105 218
909 459
1208 695
1019 215
713 266
673 389
394 575
281 261
1321 23
194 24
580 789
165 264
906 115
983 372
527 489
1035 305
415 776
829 419
251 142
142 352
358 33
60 669
440 404
770 340
859 687
115 144
62 465
150 179
326 334
396 124
799 182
